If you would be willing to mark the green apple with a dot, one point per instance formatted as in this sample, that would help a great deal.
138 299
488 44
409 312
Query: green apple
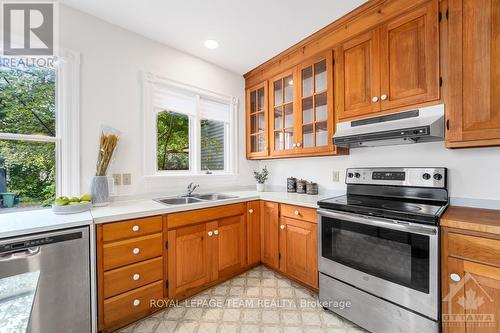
86 197
74 199
61 201
84 202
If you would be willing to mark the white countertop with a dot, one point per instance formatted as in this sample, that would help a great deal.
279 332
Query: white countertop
122 210
41 220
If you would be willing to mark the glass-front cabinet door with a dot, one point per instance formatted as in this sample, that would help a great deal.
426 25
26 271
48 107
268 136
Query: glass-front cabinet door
282 114
316 116
257 121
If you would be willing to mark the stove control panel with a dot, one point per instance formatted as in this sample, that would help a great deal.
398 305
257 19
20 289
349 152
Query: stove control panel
415 177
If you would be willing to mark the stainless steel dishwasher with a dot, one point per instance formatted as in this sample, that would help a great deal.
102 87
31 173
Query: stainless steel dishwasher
45 282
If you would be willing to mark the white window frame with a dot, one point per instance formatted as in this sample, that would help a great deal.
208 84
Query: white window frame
67 139
150 83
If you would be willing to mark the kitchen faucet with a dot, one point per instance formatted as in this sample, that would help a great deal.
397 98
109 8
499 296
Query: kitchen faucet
191 188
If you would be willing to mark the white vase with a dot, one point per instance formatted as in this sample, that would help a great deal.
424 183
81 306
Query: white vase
260 187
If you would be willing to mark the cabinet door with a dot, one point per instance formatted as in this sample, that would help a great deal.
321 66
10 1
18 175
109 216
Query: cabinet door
282 123
269 233
452 291
188 259
474 291
473 102
358 65
316 116
410 58
253 232
231 245
298 248
257 121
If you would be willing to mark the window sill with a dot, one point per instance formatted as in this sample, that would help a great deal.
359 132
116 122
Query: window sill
191 175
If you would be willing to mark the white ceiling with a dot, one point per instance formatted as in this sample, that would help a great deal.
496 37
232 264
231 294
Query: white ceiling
249 32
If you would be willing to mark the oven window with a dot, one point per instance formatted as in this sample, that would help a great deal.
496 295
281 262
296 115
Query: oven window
392 255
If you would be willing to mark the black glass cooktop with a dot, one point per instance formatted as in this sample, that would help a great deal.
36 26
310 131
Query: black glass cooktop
410 210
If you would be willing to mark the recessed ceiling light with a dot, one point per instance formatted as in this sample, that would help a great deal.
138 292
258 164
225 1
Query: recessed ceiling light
211 44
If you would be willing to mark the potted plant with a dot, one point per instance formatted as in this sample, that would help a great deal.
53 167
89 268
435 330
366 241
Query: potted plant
261 177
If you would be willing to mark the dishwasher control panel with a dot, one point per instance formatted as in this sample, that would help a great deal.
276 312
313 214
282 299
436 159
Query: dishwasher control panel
34 242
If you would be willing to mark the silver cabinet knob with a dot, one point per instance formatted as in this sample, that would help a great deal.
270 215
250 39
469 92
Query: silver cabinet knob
135 228
250 211
282 227
216 232
383 97
455 277
294 145
297 213
210 233
299 144
374 99
136 250
136 302
136 277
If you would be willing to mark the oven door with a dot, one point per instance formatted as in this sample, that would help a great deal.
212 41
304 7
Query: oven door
394 260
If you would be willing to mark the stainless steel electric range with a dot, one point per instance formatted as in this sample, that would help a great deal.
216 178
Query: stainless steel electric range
379 248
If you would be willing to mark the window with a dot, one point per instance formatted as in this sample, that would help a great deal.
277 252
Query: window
191 131
34 163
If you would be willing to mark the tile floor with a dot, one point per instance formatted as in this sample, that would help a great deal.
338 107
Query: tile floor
258 301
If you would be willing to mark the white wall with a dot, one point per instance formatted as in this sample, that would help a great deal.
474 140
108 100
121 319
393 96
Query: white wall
473 173
111 61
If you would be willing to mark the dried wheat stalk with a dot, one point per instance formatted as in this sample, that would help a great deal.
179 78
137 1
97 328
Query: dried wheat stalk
107 146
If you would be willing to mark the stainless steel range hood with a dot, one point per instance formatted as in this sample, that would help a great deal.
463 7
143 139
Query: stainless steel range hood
421 125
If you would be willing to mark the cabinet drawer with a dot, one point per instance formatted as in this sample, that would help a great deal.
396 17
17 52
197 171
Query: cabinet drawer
133 276
131 228
475 248
130 306
130 251
299 213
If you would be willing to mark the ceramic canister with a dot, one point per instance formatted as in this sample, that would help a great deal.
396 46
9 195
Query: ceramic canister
291 185
301 186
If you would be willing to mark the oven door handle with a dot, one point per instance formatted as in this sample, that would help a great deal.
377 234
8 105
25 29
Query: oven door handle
381 222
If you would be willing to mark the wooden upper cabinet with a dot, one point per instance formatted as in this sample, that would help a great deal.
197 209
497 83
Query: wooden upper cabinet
269 233
473 57
409 58
392 66
358 76
282 110
315 116
257 121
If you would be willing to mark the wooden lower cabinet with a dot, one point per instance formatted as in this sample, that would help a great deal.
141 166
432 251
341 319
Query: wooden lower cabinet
269 233
299 250
188 259
253 232
470 281
201 254
130 270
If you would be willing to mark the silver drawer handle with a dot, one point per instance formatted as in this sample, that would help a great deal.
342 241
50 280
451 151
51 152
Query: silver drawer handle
299 144
136 277
383 97
250 211
216 232
135 228
297 213
374 99
136 250
282 227
136 302
455 277
210 233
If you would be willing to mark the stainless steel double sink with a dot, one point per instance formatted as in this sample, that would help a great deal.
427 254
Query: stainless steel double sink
195 198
